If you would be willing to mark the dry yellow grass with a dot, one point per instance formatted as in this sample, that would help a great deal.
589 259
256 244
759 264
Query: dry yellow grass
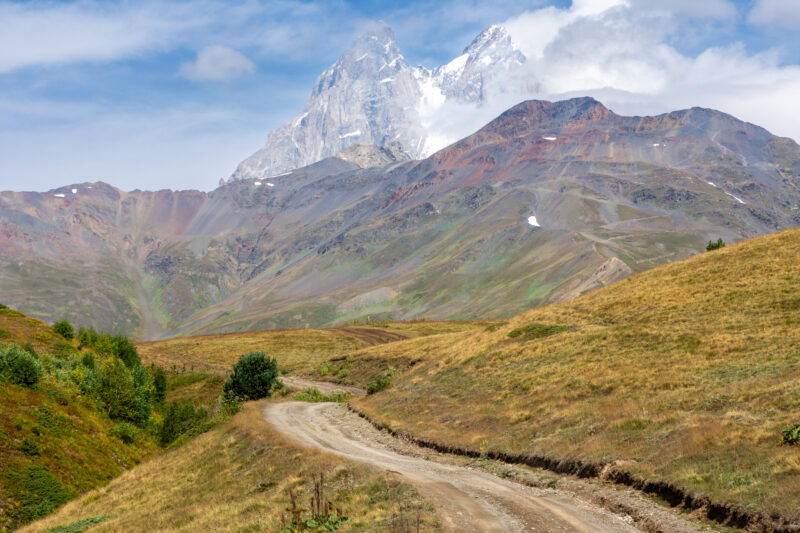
235 478
688 372
295 349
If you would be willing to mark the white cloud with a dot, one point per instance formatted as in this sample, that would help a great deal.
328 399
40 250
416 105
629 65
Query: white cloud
38 34
217 63
713 9
780 13
623 56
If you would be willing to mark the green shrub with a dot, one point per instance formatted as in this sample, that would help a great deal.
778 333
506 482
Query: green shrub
28 347
144 394
29 447
314 395
229 407
87 360
19 367
116 389
4 334
125 431
179 418
715 245
86 337
64 329
62 349
535 331
126 350
40 493
791 435
378 384
253 377
159 384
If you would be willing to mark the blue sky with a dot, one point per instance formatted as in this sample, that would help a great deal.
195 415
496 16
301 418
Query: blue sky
153 94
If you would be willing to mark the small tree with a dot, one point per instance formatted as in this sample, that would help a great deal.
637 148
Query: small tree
116 389
254 377
64 329
86 337
159 384
715 245
126 350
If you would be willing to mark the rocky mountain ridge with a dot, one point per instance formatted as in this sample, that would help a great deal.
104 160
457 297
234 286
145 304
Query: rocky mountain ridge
547 201
372 95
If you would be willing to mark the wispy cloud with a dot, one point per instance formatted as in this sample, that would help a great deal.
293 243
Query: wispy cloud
41 34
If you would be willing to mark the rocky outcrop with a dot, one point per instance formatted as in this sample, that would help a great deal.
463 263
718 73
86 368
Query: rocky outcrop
371 95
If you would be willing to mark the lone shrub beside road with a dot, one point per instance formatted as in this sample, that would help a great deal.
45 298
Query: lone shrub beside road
254 377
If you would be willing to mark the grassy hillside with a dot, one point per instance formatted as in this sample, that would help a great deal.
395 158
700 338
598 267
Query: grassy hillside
686 373
235 478
297 350
55 443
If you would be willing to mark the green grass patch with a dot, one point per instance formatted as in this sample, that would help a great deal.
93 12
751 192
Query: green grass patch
79 525
535 331
314 395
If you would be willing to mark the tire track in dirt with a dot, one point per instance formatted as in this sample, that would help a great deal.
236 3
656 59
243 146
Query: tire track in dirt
466 500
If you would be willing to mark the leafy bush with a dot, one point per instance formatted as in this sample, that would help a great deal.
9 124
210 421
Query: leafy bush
715 245
125 432
179 418
159 384
40 493
116 390
86 337
254 377
535 331
64 329
126 350
144 394
19 367
4 333
87 360
791 435
378 384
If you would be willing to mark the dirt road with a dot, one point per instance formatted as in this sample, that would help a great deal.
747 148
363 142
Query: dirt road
466 500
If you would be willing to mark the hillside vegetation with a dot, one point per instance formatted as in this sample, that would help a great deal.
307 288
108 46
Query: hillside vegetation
236 478
686 373
57 438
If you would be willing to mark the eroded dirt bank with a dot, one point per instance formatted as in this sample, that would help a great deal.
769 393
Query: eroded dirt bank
467 500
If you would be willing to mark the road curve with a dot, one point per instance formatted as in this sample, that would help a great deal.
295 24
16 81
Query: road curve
466 500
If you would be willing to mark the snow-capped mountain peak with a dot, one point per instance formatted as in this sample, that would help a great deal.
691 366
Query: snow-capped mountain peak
371 95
